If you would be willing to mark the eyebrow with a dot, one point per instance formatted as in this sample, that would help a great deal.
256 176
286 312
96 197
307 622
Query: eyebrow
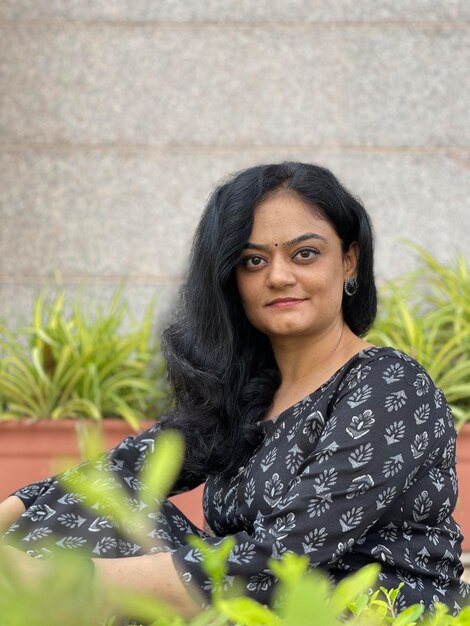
291 242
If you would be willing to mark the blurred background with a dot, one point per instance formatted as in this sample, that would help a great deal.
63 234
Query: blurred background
118 117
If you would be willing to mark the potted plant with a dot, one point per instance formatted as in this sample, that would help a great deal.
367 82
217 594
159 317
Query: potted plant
68 373
426 313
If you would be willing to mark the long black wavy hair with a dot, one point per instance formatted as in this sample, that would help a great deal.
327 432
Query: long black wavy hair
221 368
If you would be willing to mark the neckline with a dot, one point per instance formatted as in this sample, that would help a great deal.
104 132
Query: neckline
273 421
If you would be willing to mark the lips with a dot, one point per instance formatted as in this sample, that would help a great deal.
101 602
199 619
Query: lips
285 302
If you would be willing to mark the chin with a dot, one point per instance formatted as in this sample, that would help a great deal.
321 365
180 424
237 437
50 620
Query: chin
291 331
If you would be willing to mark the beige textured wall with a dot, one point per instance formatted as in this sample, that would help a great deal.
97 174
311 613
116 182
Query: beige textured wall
118 117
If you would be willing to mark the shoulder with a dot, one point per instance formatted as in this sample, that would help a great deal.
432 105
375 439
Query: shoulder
391 377
385 366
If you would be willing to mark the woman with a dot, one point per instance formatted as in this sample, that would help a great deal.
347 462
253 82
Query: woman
310 439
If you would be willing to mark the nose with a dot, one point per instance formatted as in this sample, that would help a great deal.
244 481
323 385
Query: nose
280 274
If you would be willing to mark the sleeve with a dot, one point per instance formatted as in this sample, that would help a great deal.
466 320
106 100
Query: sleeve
29 494
371 449
129 455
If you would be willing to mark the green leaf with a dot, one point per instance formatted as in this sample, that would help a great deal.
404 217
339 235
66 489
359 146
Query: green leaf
359 604
290 569
37 361
124 410
409 615
162 466
77 407
463 618
248 612
307 603
215 558
352 586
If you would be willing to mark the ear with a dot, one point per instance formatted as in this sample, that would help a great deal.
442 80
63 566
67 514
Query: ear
350 260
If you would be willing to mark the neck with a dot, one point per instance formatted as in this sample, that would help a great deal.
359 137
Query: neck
302 359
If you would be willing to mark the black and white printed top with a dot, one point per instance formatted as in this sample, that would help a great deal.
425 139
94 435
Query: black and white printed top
362 470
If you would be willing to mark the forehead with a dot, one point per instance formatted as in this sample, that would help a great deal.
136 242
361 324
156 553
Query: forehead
284 216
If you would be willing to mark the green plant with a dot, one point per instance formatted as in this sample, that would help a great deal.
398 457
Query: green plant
81 365
426 313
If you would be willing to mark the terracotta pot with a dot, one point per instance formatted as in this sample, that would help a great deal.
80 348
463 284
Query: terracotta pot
462 510
32 451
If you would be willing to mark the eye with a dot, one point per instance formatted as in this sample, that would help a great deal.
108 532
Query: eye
306 254
253 262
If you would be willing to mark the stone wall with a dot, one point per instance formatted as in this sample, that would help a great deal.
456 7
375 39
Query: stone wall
118 117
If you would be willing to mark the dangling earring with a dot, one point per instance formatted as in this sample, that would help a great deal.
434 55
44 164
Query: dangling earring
350 286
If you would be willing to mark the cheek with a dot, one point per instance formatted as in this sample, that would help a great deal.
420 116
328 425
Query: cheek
247 289
328 290
248 301
244 295
249 298
331 279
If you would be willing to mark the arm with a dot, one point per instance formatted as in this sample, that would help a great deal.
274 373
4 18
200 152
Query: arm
29 494
153 574
10 510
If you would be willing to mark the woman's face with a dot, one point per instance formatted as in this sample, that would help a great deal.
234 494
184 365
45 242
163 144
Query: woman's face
291 273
